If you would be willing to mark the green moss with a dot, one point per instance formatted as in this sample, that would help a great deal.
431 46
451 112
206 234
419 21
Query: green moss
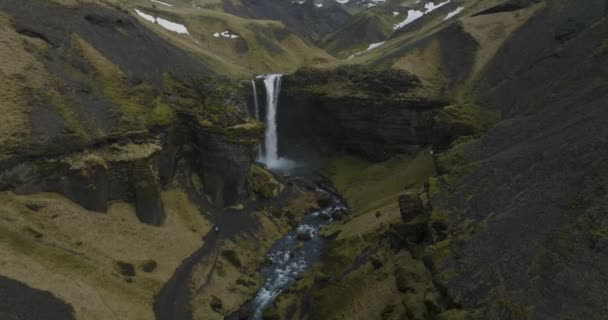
439 252
197 182
161 115
179 94
514 310
370 186
455 314
138 106
249 132
354 81
463 120
454 157
66 112
114 83
232 257
336 298
262 183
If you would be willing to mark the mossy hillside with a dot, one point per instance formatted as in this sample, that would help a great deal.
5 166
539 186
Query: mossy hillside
231 272
138 107
212 100
455 156
504 24
357 275
355 82
262 45
20 73
364 28
214 105
426 47
73 253
368 186
263 184
462 120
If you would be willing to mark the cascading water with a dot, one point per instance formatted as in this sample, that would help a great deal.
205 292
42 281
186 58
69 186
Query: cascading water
270 156
256 106
273 88
290 260
256 110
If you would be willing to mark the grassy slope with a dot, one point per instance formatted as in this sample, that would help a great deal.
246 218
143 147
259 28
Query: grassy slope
16 65
369 186
363 29
262 46
418 49
72 252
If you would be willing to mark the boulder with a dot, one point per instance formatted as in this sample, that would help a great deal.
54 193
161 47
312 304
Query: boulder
125 268
304 236
216 304
410 206
149 265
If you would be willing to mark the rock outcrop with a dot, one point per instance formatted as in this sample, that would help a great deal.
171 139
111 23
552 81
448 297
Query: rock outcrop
373 114
148 105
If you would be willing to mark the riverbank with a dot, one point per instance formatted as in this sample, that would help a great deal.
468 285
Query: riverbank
223 274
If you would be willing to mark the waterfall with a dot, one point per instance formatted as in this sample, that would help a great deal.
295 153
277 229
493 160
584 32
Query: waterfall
269 154
273 88
256 111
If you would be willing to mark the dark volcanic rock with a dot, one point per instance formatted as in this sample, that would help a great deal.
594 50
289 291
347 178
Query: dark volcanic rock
410 206
224 167
216 304
148 203
125 268
374 114
524 207
149 265
510 5
19 301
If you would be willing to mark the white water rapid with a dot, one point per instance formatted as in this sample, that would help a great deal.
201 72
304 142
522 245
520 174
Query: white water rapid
292 255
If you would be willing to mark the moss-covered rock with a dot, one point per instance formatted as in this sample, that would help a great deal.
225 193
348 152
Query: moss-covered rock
232 257
454 157
263 184
461 120
410 206
455 314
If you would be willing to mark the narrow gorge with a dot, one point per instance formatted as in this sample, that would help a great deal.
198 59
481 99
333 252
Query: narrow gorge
311 160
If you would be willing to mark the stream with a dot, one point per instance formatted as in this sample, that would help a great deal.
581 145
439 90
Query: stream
291 255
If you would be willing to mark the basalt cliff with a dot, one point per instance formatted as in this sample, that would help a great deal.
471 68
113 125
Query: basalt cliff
436 160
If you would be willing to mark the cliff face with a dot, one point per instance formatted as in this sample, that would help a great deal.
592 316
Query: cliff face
511 225
116 150
107 108
373 114
532 187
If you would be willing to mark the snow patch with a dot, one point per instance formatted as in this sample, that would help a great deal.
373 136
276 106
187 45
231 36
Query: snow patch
163 3
453 13
145 16
171 26
370 47
225 34
413 15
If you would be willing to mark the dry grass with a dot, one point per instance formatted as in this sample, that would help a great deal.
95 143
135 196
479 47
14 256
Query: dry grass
19 70
72 252
491 31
